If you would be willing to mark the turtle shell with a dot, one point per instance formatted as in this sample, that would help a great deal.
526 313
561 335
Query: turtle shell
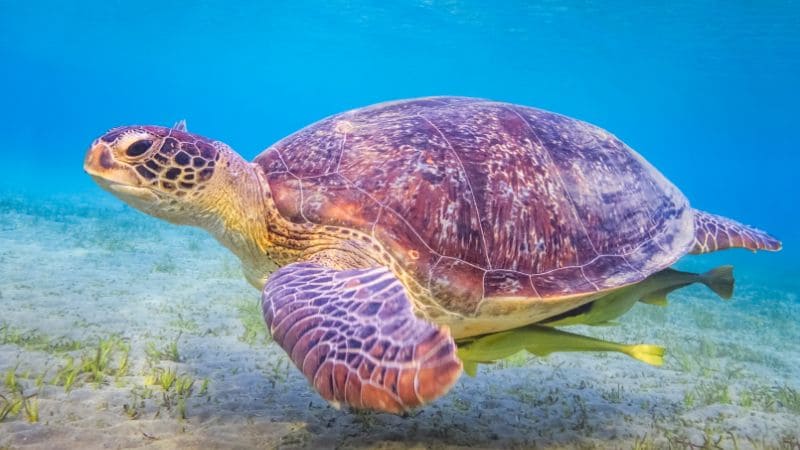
479 199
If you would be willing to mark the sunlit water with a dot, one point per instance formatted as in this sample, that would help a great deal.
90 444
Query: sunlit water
706 91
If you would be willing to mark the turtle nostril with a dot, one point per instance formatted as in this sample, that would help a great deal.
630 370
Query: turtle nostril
106 170
104 159
98 159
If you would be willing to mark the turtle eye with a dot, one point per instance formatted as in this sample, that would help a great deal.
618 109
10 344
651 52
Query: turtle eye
138 148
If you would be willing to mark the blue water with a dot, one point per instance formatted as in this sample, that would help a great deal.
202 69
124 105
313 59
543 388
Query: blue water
706 91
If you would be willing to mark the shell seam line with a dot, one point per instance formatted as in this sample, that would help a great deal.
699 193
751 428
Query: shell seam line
471 191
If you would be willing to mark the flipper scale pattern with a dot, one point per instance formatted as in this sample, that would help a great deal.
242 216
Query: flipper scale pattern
354 336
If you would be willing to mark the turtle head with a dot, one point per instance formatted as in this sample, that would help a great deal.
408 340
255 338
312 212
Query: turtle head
165 172
188 179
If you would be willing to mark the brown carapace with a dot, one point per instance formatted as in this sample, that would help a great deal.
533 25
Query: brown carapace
482 200
399 231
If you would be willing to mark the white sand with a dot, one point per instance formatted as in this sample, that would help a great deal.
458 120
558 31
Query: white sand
89 272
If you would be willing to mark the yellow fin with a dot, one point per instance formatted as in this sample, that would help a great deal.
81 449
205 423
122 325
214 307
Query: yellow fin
650 354
720 280
658 298
470 367
543 340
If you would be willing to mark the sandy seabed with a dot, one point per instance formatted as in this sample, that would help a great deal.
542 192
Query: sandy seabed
119 331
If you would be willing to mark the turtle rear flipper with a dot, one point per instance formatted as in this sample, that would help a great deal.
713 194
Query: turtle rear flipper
713 232
354 336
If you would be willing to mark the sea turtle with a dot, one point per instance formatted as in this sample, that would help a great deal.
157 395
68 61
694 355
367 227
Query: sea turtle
397 244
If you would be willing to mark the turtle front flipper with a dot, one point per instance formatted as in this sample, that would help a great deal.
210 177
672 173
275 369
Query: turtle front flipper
354 336
713 232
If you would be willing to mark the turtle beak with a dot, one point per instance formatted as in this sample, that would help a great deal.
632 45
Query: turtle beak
112 175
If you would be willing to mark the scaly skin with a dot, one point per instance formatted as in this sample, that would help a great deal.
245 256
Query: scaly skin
381 356
491 216
235 205
331 194
369 350
713 232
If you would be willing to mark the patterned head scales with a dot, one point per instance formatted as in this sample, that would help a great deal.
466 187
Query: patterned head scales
156 169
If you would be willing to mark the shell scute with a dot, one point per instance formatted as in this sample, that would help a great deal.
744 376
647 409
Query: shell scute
408 167
287 192
403 242
505 283
330 199
457 285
